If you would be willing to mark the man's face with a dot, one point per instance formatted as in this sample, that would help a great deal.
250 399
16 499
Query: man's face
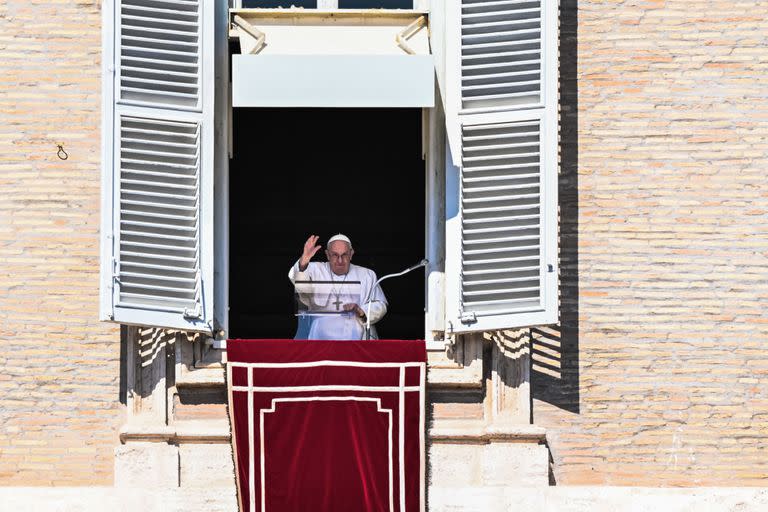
339 255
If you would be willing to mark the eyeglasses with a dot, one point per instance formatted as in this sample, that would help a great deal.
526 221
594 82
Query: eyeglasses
342 256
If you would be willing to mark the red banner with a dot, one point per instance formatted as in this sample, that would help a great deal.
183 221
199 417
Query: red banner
328 425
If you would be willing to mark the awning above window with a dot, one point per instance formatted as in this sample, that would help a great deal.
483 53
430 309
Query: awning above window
303 58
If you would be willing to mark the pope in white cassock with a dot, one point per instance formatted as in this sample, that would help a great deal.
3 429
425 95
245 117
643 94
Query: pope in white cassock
339 291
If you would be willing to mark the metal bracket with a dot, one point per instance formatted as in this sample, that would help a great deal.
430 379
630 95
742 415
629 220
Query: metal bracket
468 318
404 35
194 313
252 40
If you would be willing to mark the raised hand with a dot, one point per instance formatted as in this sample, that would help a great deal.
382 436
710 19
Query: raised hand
310 249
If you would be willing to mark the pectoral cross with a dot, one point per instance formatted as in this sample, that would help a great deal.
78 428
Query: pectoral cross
337 302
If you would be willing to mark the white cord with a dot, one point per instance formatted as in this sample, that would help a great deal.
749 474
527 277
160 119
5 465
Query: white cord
422 263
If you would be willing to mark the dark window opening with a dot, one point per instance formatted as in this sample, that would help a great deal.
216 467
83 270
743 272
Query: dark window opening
297 172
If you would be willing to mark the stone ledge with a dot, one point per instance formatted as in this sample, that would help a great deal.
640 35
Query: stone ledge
598 499
463 431
445 431
192 431
551 499
201 377
437 378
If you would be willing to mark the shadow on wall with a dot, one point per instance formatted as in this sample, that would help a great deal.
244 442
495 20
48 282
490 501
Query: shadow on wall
555 349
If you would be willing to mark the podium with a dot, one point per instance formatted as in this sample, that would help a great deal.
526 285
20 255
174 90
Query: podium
328 425
320 310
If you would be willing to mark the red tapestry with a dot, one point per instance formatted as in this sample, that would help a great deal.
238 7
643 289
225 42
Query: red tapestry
328 425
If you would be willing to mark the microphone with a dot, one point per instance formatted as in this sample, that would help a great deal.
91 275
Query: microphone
423 263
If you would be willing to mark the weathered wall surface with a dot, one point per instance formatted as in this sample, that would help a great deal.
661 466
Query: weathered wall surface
59 366
659 374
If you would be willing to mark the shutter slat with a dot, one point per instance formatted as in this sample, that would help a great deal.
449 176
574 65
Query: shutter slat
158 174
494 65
154 215
160 63
518 12
150 193
501 187
488 261
191 240
165 257
506 302
500 291
150 91
505 58
500 219
157 41
156 164
500 84
500 250
497 229
487 158
524 35
516 198
163 291
484 45
139 22
164 268
170 305
155 142
192 187
499 271
502 240
153 204
468 5
188 54
158 225
158 247
164 72
159 277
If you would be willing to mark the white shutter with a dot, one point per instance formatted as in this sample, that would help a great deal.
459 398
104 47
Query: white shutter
157 250
501 261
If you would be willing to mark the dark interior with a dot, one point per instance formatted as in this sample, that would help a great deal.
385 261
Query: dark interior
297 172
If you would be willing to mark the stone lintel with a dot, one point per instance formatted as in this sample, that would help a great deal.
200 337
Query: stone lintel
460 431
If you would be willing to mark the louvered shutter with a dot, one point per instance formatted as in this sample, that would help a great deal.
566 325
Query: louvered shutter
157 252
501 261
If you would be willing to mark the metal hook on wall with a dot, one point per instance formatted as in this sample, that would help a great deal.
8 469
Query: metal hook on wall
61 153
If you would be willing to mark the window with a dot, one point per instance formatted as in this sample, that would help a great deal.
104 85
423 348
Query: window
165 238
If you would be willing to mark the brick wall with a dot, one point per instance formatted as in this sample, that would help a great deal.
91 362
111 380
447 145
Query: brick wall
59 366
659 374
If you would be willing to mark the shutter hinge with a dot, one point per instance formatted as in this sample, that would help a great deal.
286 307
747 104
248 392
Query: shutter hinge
115 272
468 318
550 267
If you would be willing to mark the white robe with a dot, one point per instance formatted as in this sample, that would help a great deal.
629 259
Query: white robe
347 326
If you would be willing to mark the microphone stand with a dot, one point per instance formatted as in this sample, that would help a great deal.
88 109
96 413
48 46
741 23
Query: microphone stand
367 336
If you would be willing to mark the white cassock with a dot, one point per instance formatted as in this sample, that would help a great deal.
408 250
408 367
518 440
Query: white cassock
338 326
